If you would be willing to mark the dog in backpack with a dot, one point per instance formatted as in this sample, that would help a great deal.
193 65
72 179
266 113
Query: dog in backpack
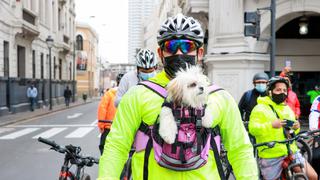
188 89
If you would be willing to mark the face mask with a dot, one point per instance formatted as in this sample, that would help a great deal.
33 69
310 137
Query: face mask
146 76
173 64
261 87
279 98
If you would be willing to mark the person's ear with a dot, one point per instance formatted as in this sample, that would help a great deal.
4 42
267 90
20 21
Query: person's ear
200 54
160 53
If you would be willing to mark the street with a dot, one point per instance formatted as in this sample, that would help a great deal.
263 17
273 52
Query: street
23 157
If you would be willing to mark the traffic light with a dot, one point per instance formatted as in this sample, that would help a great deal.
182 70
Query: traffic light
252 24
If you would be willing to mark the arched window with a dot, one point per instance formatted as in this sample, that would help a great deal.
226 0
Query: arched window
79 42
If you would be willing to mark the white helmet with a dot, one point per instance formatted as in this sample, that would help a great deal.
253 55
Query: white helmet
146 59
179 27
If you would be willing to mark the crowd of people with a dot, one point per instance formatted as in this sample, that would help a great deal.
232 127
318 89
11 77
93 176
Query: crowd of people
267 109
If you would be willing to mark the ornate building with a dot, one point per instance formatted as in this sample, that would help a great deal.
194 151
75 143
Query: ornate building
24 54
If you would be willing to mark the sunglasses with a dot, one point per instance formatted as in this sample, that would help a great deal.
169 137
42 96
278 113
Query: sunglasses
185 46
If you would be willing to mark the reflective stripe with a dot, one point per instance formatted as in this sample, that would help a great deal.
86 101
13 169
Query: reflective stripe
195 166
178 162
105 121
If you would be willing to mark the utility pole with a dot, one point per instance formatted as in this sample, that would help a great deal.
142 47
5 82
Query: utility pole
74 72
273 37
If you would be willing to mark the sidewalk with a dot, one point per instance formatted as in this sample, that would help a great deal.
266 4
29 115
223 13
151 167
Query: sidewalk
17 117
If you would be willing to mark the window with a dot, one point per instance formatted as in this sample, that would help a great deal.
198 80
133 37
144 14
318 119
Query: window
70 67
33 64
79 40
42 65
55 67
21 61
6 58
60 69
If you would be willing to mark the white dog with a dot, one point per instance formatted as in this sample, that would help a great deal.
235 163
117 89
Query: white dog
187 89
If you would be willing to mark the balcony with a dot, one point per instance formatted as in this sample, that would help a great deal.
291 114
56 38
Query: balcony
29 29
195 6
65 46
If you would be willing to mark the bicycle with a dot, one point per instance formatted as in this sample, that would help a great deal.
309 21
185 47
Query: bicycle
288 166
73 157
127 171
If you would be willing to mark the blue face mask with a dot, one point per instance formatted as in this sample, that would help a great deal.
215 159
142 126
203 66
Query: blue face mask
261 88
146 76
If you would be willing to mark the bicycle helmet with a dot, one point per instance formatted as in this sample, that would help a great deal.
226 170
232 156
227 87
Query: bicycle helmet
146 59
119 76
274 80
260 76
180 27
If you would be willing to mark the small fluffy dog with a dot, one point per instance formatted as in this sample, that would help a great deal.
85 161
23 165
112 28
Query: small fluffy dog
187 89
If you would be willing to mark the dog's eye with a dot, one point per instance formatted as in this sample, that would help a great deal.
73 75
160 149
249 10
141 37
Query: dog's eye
192 85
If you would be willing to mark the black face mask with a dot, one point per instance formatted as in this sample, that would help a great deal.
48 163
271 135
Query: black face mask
173 64
279 98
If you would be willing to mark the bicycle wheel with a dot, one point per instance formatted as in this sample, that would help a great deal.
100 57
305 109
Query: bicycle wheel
299 176
85 176
305 150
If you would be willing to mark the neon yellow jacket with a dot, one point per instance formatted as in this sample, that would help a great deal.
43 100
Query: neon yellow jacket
141 104
260 126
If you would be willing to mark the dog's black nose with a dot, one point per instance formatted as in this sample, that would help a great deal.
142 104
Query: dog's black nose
201 88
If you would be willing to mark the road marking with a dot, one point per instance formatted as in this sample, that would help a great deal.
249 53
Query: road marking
51 125
19 133
94 122
74 115
80 132
49 133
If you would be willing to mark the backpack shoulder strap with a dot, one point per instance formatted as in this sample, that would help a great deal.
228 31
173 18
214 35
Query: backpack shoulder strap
214 88
161 91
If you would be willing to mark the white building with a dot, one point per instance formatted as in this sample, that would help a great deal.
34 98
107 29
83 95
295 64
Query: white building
139 11
233 59
24 54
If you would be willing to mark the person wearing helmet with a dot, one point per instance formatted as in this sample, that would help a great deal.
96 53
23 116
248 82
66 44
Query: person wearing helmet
249 98
106 112
268 122
180 41
146 62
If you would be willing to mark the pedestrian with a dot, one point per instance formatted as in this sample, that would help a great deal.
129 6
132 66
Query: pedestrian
32 94
314 124
314 93
268 122
249 98
106 112
180 41
67 95
146 62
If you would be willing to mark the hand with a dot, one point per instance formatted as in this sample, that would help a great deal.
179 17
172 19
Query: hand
278 123
296 125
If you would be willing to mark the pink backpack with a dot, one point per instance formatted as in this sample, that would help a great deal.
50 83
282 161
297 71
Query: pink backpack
192 144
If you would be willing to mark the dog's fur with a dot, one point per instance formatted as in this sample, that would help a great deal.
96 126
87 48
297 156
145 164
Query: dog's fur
187 89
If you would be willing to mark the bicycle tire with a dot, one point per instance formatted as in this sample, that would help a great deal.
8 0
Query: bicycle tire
299 176
305 150
85 176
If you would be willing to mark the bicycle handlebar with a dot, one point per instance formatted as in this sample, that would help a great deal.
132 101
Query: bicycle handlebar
79 160
302 135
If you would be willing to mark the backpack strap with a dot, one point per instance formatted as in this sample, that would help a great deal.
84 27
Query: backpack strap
161 91
214 88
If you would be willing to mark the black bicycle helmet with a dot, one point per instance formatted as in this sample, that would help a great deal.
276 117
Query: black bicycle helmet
119 76
179 27
274 80
260 76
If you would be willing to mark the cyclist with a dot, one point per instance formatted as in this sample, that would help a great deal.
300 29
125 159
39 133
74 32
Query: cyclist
314 117
180 40
267 123
249 98
314 93
106 112
146 62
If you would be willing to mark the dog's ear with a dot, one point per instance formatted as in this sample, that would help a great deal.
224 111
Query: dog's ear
175 91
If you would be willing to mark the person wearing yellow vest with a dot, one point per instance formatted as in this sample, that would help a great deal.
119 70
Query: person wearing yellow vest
106 112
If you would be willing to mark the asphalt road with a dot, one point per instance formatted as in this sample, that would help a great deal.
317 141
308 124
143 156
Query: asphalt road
23 157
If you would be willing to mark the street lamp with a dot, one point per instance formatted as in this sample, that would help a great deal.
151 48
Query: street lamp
49 41
303 24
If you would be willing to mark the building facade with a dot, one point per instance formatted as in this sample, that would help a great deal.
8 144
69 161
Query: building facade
232 59
139 11
24 54
86 59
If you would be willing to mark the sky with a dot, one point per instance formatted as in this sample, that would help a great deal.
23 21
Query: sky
110 20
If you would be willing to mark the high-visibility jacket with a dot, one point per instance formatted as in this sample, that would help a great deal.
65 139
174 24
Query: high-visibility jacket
106 109
141 104
260 126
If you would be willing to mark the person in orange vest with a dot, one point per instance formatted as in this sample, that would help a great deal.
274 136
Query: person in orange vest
106 112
